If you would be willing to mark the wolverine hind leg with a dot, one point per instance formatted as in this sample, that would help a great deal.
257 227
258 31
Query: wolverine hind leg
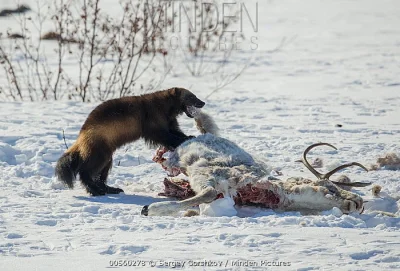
90 185
94 172
103 180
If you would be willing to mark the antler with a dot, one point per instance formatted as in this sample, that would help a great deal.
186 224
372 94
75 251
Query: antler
307 164
333 171
326 176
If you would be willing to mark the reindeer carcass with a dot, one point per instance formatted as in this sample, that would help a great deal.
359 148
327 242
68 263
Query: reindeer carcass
217 167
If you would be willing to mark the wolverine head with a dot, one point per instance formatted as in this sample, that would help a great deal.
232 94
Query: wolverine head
188 99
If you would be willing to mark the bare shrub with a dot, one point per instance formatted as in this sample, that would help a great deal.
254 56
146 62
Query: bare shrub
115 56
208 37
113 53
29 75
212 39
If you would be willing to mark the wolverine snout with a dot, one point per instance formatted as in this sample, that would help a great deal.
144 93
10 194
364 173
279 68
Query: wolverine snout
199 104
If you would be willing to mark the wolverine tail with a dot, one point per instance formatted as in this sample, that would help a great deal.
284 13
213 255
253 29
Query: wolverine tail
206 124
67 167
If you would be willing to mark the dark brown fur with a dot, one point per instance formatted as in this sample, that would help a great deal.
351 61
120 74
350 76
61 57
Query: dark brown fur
114 123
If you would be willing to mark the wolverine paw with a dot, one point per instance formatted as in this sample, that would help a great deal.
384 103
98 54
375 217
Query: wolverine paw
113 190
96 192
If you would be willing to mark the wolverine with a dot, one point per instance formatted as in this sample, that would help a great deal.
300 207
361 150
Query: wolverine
117 122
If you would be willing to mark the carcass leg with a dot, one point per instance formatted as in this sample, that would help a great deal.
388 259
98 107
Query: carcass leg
170 208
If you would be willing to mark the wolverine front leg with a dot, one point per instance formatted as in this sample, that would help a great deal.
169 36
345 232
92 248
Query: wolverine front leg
167 139
175 129
181 135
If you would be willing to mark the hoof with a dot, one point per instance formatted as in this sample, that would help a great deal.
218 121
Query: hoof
145 210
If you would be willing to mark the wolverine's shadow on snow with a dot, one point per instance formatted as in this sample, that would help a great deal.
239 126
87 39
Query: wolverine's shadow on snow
122 199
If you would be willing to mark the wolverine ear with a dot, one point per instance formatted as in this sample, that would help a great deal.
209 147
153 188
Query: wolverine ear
177 92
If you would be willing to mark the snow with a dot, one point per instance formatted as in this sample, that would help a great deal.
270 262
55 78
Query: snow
220 207
341 66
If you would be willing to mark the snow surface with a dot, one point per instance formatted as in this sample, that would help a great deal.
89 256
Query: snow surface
341 67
